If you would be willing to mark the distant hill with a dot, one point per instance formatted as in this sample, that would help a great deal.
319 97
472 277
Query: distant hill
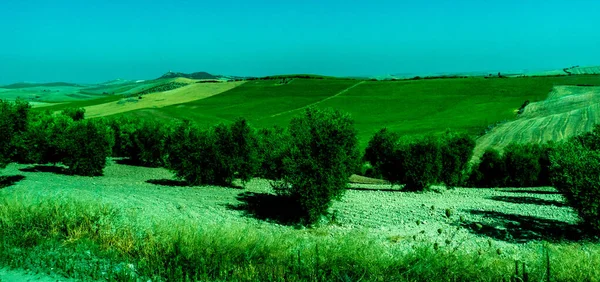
195 75
28 84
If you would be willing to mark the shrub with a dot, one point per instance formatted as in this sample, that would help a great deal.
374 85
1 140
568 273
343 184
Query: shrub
6 132
76 114
491 171
419 162
323 154
192 154
45 141
522 164
123 128
89 144
273 147
456 151
589 140
574 172
14 124
380 152
146 144
244 155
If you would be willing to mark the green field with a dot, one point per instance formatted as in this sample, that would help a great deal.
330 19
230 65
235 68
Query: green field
410 107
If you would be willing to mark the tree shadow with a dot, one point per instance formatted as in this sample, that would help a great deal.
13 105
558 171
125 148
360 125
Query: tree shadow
516 228
168 182
129 162
183 183
10 180
528 200
529 191
46 168
269 207
376 189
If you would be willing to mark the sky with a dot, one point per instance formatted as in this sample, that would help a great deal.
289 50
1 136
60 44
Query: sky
94 41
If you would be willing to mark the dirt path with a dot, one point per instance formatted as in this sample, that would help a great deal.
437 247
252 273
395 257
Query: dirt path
321 101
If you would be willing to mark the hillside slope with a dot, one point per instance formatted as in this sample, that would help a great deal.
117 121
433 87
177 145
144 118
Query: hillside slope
568 111
186 94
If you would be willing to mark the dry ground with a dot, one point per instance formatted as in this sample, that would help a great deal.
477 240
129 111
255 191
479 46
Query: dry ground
475 219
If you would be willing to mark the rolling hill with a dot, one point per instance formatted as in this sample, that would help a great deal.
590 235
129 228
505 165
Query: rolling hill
568 111
409 107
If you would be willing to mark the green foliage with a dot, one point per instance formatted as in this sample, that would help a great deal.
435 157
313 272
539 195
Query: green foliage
522 164
456 151
420 163
215 156
244 155
589 140
574 172
76 114
323 154
192 154
273 146
491 171
6 132
380 153
89 143
146 145
13 126
45 141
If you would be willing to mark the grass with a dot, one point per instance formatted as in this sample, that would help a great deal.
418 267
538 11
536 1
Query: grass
408 107
84 240
255 100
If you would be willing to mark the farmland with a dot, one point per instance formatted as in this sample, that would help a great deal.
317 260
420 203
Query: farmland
377 232
568 111
407 107
139 223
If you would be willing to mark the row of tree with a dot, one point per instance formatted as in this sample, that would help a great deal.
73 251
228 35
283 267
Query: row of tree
309 162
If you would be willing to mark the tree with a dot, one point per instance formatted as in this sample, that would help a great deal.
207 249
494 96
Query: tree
574 172
89 143
380 152
322 156
419 162
456 152
76 114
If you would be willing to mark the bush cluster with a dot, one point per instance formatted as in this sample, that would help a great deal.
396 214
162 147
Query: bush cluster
422 162
44 138
521 165
89 159
574 171
213 156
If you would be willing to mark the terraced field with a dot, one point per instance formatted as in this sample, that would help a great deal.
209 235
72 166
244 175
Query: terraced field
568 111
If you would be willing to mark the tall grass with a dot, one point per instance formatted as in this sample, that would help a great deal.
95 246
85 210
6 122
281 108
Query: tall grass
87 240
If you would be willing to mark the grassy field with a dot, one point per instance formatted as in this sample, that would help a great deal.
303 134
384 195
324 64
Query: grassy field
408 107
137 224
255 100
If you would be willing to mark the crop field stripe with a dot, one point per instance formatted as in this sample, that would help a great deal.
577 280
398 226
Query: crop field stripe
318 102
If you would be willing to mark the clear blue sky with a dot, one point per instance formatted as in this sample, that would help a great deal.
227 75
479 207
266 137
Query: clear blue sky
93 41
